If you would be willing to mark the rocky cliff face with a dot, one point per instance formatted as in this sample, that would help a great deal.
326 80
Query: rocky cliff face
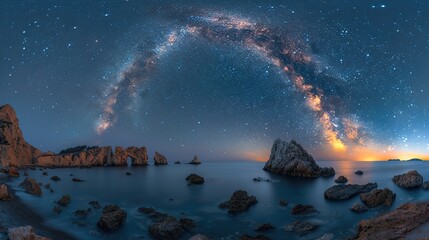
14 150
291 159
137 155
93 156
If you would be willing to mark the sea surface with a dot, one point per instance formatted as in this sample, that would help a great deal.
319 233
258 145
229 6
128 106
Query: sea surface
165 188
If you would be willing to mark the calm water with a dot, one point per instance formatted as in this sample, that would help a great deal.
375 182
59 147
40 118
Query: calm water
153 186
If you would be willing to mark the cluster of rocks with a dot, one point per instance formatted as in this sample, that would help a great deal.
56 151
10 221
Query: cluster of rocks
240 201
31 186
112 218
291 159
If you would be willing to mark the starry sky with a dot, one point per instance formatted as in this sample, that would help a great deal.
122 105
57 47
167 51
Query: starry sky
221 79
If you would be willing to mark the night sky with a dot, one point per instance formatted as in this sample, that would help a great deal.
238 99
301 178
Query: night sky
221 79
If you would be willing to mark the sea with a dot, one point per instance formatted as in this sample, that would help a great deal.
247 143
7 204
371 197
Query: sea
165 189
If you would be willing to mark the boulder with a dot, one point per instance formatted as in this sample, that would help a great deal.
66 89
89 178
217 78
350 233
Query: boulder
4 195
30 185
195 179
23 233
342 192
240 201
378 197
359 208
359 172
160 159
64 200
195 160
170 228
411 179
303 210
291 159
341 179
395 224
13 172
264 227
14 150
301 227
112 218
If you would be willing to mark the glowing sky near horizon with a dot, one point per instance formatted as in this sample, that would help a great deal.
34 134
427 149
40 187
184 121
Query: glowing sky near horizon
347 80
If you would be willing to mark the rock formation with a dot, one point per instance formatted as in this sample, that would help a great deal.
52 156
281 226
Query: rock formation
112 218
195 160
342 192
378 197
195 179
14 150
359 172
264 227
64 201
4 195
89 156
170 228
411 179
30 185
395 224
303 210
240 201
301 228
341 179
359 208
291 159
137 155
23 233
160 159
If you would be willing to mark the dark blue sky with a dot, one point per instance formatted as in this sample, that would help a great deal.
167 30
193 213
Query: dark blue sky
211 93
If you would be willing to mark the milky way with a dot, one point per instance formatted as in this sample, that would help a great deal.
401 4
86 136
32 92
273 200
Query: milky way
294 60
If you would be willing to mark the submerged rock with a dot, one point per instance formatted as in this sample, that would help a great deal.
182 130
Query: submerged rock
291 159
283 202
342 192
160 159
411 179
55 178
341 179
77 180
395 224
303 210
195 179
425 185
359 208
195 160
358 172
82 213
64 200
95 204
23 233
153 214
240 201
264 227
301 227
112 218
378 197
170 228
30 185
259 179
57 209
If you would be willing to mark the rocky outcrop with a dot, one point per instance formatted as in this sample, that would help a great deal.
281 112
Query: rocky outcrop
170 228
83 157
341 179
159 159
378 197
303 210
240 201
342 192
291 159
14 150
395 224
31 186
195 179
4 195
64 200
137 155
359 208
264 227
195 160
23 233
301 228
359 172
411 179
112 218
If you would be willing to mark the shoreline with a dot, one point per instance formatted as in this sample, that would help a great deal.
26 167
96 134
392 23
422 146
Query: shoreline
15 213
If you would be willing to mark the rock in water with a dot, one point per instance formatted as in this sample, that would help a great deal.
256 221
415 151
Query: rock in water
378 197
240 201
160 159
395 224
13 172
170 228
342 192
358 172
359 208
303 210
341 179
31 186
291 159
301 228
55 178
14 150
137 155
199 237
249 237
64 201
411 179
23 233
425 185
195 161
112 218
195 179
4 195
264 227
